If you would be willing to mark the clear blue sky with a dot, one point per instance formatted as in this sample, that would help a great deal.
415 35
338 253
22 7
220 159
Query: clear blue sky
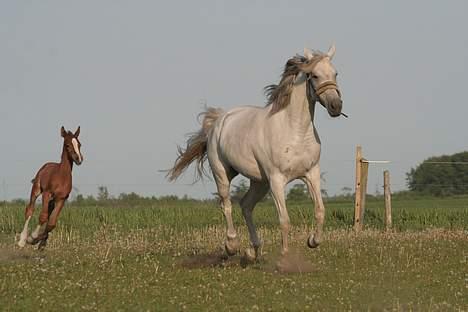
134 75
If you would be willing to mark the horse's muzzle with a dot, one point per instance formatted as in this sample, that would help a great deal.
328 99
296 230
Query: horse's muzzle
334 107
332 102
78 161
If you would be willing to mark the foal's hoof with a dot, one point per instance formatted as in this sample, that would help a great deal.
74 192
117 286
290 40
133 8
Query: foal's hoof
312 242
22 239
42 244
32 241
232 246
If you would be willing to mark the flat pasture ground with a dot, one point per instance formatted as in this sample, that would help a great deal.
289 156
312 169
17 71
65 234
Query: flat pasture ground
168 257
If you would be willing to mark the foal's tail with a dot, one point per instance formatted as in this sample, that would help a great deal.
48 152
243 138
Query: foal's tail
196 147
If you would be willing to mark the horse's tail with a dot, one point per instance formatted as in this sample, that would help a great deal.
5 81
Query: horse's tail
196 147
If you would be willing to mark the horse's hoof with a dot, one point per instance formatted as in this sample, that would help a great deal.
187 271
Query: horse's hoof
312 242
250 255
232 246
21 243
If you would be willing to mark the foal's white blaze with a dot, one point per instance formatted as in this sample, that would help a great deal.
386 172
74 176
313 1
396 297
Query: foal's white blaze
75 147
24 233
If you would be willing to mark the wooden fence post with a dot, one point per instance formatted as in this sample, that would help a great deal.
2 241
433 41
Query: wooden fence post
364 175
357 193
388 201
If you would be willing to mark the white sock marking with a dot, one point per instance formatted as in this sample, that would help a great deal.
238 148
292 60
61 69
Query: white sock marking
24 233
36 232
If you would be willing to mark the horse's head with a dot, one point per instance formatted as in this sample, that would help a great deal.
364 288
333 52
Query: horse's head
72 145
322 79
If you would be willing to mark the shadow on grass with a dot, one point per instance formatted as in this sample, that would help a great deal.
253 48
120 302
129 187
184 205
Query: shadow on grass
10 254
209 260
292 263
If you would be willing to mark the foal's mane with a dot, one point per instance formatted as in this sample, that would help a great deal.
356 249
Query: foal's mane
279 95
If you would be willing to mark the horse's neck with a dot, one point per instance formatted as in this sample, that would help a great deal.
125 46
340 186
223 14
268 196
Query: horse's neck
66 163
299 113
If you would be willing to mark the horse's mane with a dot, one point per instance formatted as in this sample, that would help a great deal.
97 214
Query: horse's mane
279 95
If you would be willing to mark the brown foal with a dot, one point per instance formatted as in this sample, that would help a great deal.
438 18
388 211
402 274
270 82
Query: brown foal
54 182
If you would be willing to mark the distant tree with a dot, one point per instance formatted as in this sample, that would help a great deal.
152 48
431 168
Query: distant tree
298 192
238 191
103 193
19 201
79 199
346 191
440 175
323 180
129 197
74 193
168 198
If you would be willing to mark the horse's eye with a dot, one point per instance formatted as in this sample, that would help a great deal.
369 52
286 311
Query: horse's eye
314 77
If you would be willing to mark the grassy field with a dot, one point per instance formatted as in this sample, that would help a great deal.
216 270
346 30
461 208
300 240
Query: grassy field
167 255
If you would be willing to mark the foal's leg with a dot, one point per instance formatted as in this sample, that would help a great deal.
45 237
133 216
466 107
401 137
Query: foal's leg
277 184
43 218
59 203
54 212
35 192
255 193
312 179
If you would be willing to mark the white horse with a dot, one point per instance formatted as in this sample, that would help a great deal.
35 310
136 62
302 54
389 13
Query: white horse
270 145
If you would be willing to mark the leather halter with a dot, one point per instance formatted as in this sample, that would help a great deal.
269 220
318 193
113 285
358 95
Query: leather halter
327 85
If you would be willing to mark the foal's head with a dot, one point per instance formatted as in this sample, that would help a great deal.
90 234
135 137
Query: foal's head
322 77
72 145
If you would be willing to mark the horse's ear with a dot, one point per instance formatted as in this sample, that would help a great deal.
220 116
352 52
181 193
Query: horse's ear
331 51
308 54
63 132
77 132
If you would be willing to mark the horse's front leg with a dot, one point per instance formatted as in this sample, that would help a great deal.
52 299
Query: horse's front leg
277 184
312 180
35 192
52 223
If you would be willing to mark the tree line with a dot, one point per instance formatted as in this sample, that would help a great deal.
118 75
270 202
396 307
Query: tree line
445 175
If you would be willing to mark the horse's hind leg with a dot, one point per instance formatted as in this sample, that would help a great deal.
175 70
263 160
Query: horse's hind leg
35 192
255 193
312 180
223 179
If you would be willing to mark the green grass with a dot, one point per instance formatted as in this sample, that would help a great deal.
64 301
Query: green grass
166 256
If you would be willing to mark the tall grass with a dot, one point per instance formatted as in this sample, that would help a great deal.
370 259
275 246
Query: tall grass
183 216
